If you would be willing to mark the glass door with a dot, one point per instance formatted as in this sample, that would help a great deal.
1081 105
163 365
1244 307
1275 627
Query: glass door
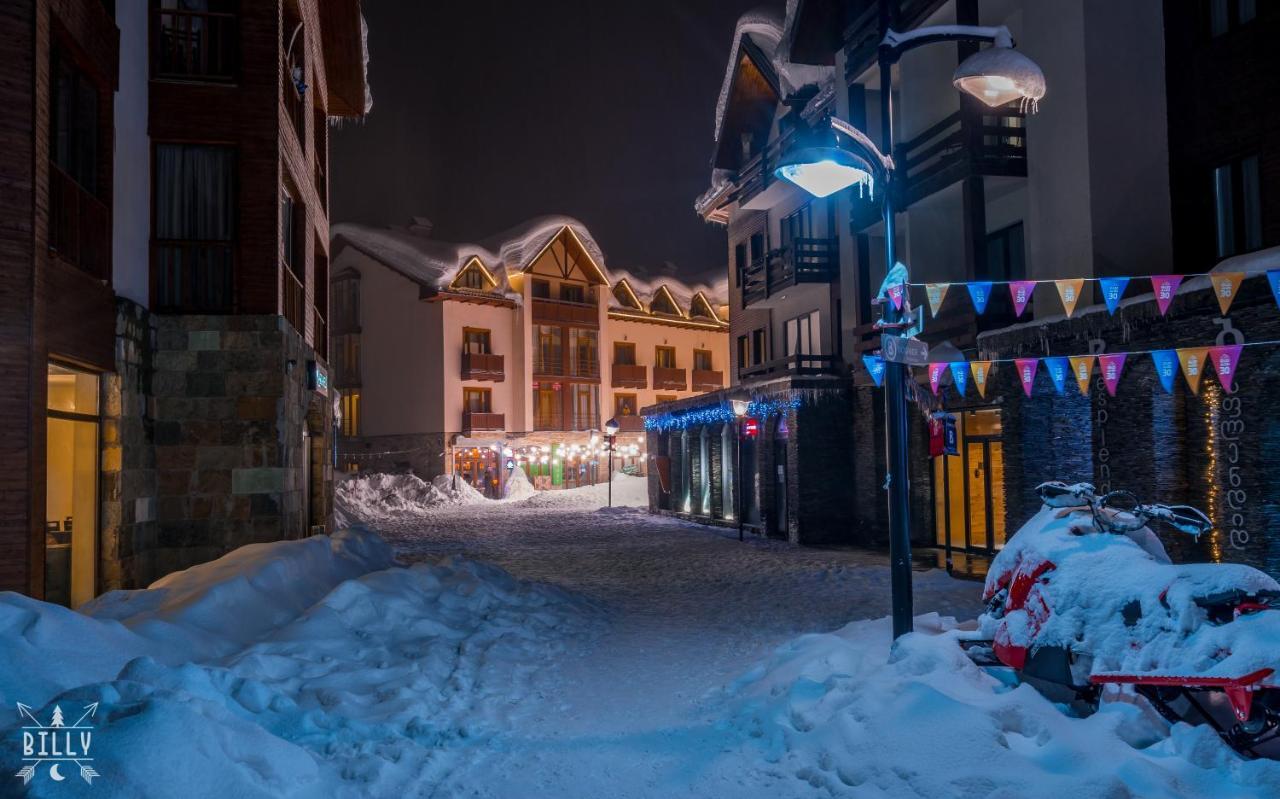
71 486
969 487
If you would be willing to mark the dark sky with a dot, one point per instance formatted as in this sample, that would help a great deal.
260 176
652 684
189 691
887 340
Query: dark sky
488 112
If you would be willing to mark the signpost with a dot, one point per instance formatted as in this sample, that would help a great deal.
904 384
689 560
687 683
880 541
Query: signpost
909 351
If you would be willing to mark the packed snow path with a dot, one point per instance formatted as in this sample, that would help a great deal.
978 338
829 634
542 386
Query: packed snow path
631 712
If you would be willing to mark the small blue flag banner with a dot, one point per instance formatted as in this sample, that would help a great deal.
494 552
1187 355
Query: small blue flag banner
1273 277
960 376
875 365
1112 290
1059 370
1166 362
980 293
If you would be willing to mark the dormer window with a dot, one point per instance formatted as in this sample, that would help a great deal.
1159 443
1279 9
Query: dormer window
664 303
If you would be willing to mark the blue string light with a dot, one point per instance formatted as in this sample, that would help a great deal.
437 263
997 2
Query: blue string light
720 413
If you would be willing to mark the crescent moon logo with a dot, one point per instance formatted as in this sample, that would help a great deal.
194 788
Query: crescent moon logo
53 772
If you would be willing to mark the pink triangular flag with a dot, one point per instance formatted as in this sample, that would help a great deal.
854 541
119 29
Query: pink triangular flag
1225 360
895 295
935 376
1027 372
1165 286
1021 290
1111 366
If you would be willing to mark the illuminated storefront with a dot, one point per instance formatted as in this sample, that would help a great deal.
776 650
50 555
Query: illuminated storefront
968 488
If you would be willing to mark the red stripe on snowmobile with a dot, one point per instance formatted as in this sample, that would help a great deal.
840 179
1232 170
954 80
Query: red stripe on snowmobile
1239 690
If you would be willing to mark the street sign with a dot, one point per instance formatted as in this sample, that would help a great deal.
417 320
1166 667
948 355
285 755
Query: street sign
750 428
911 351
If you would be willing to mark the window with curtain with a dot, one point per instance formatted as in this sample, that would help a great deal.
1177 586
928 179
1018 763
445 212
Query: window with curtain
664 357
194 206
73 123
475 341
1237 207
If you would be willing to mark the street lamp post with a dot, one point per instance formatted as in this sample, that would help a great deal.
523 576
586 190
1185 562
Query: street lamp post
740 407
996 75
610 436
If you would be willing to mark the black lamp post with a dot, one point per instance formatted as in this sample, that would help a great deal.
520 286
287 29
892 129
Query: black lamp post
996 75
610 436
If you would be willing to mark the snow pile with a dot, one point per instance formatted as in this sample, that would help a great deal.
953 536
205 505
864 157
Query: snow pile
1097 576
629 491
843 714
518 486
334 676
373 497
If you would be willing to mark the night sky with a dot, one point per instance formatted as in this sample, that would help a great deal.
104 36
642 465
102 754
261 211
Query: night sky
486 113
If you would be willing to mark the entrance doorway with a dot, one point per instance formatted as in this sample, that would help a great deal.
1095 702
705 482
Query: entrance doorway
71 486
780 436
479 467
968 488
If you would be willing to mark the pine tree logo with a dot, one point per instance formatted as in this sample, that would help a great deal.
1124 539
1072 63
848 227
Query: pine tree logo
57 743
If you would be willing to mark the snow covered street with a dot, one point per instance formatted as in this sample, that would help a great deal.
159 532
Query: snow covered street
544 646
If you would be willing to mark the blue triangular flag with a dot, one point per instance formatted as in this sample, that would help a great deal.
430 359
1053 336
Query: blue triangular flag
1166 367
875 365
980 293
1112 290
960 375
1273 277
1059 369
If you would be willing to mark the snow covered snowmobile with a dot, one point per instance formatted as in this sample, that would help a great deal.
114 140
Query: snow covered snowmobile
1084 596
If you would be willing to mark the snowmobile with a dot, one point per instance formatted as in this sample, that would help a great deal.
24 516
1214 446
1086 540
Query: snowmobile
1084 601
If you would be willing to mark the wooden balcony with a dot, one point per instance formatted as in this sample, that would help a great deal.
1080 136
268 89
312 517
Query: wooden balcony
707 380
630 424
561 312
194 45
321 338
795 365
994 144
476 421
79 225
293 300
806 260
629 376
666 379
483 366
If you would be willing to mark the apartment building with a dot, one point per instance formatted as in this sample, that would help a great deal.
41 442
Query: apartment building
165 235
1109 178
473 359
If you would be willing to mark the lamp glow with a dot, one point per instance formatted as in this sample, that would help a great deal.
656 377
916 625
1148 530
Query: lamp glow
739 407
1000 75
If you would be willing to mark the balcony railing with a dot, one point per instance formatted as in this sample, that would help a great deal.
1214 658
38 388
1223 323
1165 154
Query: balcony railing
755 286
668 379
949 151
794 365
192 276
630 424
474 421
564 312
294 300
707 380
79 225
321 338
548 363
194 45
806 260
627 375
584 367
483 366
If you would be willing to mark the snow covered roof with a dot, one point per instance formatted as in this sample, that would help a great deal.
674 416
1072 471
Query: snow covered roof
688 297
765 28
435 264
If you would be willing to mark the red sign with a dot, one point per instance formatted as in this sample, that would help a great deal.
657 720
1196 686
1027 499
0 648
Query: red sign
750 428
535 385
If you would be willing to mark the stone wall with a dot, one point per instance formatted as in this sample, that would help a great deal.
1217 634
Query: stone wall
129 491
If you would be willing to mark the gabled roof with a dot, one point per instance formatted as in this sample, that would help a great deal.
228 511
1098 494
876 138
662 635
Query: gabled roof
474 264
663 294
623 287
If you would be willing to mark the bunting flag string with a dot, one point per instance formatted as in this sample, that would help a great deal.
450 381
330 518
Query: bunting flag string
1223 360
1225 285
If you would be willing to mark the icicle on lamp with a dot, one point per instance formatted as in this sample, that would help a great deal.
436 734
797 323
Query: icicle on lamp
1000 74
823 171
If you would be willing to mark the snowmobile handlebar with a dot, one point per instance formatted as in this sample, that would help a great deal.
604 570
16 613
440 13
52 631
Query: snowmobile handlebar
1120 511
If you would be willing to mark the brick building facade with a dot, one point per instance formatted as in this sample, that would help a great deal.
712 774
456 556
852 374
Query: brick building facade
165 234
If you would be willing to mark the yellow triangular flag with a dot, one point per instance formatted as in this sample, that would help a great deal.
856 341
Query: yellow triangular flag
981 371
1082 369
1069 291
936 292
1193 360
1225 286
